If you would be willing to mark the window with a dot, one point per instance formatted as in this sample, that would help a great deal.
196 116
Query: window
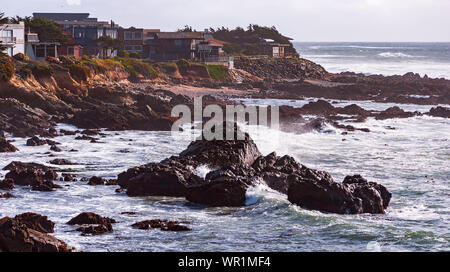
70 51
178 43
137 35
128 35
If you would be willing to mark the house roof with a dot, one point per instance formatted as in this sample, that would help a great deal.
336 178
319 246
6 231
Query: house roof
215 42
180 35
64 16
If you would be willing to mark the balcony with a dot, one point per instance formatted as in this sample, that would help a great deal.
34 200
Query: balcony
8 40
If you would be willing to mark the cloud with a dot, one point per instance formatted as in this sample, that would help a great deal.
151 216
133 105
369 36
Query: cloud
73 2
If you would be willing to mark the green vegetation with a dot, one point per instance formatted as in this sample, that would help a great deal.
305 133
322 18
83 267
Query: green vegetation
3 20
217 72
79 71
6 68
109 44
245 42
100 66
48 31
167 67
135 68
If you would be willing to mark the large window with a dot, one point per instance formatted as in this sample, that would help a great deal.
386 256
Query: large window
128 36
137 35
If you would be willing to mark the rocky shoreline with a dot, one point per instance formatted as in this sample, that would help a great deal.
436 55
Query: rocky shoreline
32 108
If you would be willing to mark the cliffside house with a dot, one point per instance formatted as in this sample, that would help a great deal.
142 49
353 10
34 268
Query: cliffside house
211 50
169 46
71 49
12 36
39 50
273 49
133 38
84 30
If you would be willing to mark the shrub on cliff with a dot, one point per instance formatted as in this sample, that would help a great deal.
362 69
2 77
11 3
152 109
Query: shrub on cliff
6 67
135 68
42 70
167 67
79 71
182 63
218 72
100 66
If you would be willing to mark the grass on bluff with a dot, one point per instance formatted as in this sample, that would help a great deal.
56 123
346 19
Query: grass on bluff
217 72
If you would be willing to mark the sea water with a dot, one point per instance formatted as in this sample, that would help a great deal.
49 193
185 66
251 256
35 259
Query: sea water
412 161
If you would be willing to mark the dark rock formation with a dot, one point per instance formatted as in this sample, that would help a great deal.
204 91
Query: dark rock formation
7 184
61 162
164 225
17 237
6 195
36 141
239 165
439 112
354 195
92 224
38 176
394 112
36 222
6 146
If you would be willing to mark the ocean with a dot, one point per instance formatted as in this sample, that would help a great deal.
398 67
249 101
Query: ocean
412 161
432 59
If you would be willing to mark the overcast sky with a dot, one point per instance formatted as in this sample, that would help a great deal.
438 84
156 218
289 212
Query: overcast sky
303 20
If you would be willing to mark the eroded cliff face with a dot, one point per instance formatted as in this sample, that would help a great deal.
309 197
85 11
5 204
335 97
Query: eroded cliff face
33 105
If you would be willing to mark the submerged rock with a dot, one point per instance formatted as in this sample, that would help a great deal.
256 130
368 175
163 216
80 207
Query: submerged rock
164 225
17 237
6 195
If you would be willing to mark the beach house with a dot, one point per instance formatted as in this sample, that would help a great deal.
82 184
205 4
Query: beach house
12 36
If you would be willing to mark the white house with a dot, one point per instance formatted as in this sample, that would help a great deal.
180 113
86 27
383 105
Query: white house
13 37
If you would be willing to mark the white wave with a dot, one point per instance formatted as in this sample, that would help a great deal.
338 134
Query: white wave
395 55
202 170
256 193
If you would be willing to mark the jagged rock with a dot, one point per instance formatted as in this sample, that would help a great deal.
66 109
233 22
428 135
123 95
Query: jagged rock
55 148
17 237
353 196
32 175
96 181
230 193
92 223
61 162
36 222
240 149
439 112
239 165
25 165
35 141
160 224
22 120
319 107
6 146
7 184
394 112
90 218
